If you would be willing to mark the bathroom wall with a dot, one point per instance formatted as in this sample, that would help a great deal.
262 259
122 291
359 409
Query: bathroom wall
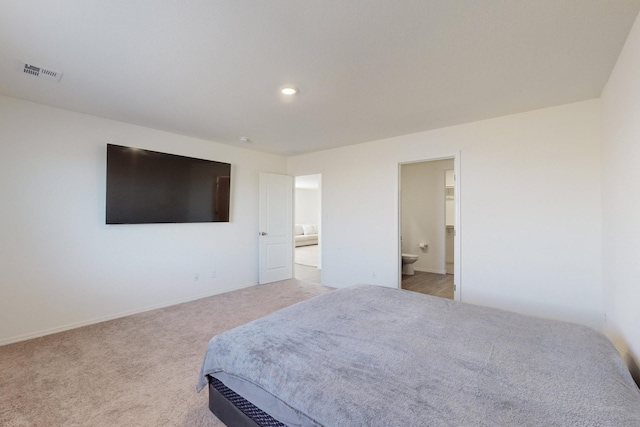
423 213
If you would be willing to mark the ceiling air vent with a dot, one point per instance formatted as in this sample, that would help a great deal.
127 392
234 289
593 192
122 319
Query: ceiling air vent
42 73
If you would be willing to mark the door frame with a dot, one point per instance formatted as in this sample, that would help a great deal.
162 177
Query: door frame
457 251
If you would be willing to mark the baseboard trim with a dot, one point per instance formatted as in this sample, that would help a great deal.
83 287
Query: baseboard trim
68 327
428 270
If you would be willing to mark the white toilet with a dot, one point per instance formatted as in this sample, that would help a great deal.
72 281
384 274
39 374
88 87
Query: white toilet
407 263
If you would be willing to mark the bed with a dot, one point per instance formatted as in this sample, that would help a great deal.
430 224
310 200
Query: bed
374 356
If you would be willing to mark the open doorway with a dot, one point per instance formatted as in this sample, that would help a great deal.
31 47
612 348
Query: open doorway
307 228
428 227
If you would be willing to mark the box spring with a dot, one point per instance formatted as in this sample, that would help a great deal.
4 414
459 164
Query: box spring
234 410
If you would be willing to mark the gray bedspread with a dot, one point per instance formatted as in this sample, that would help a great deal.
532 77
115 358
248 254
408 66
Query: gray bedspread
375 356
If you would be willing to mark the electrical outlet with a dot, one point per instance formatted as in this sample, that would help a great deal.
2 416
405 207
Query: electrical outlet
214 274
196 277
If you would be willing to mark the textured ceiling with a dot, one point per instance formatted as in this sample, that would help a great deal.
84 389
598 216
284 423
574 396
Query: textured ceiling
366 69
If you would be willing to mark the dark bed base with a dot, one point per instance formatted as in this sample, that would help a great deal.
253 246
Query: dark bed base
234 410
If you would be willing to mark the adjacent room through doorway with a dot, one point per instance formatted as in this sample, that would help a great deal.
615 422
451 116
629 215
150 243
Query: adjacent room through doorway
307 236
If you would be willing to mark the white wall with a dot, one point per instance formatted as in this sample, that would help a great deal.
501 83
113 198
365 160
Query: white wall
307 205
621 200
61 266
423 213
530 215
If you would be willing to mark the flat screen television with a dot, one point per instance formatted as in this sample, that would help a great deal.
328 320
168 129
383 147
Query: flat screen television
146 187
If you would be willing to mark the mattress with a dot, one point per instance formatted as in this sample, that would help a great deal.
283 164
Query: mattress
368 355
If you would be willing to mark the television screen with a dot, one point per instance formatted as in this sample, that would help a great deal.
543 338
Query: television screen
146 187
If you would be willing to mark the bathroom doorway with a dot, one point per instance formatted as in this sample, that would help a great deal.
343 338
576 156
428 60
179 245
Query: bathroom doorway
307 228
428 232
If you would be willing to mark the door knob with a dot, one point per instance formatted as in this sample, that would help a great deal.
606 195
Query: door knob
263 233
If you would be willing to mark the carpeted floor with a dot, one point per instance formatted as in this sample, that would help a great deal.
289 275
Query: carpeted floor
140 370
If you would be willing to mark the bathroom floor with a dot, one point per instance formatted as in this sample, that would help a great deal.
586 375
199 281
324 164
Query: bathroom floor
449 268
440 285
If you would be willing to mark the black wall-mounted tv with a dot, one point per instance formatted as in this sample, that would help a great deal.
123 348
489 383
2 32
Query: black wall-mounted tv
145 187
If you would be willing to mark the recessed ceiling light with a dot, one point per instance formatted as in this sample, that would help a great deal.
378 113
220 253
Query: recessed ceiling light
289 90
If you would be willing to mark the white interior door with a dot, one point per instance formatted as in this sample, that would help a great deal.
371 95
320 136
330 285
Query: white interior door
276 228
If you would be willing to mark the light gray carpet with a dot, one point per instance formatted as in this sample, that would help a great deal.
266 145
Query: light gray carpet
306 273
140 370
307 255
